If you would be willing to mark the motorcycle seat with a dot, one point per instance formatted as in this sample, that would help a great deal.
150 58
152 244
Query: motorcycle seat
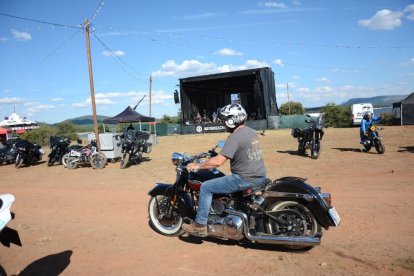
252 190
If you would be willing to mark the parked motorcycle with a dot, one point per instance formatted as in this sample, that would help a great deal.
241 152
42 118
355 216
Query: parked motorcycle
7 235
59 147
85 155
7 153
134 144
310 137
373 139
288 211
27 153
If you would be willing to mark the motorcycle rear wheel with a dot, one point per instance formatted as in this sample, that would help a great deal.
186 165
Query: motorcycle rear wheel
124 160
310 226
50 161
19 161
71 163
379 146
170 226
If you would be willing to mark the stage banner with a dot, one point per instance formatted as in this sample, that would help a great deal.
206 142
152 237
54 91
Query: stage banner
209 128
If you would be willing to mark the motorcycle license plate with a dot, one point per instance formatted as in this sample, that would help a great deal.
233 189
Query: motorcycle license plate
334 216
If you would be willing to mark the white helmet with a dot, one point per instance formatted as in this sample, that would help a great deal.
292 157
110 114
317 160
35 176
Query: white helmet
365 113
233 115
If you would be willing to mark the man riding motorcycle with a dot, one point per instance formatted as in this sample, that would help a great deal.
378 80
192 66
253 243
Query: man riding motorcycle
246 164
366 123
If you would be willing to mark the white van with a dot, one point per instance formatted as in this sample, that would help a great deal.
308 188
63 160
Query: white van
358 109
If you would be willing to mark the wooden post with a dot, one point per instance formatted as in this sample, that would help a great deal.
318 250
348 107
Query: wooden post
150 95
88 52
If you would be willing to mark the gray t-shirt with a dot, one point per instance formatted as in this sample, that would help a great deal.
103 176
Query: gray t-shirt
244 150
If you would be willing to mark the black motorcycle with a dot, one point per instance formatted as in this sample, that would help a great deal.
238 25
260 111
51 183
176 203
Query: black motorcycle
134 144
59 147
373 139
287 212
27 153
310 137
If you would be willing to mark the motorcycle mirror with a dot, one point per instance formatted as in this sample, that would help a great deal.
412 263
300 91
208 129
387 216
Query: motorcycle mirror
220 144
79 141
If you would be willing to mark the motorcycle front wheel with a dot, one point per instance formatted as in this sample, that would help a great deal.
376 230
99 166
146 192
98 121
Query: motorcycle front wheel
124 160
379 146
316 149
161 222
97 161
19 161
302 222
65 158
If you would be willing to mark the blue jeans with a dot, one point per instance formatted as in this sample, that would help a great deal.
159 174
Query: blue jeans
223 185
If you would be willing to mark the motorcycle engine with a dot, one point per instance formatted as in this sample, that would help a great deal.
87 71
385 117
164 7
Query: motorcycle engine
228 227
221 224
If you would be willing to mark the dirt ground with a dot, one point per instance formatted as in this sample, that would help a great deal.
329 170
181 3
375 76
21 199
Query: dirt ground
95 222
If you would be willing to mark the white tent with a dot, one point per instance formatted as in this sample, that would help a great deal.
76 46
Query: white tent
15 122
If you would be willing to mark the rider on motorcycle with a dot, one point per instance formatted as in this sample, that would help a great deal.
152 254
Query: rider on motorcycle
246 164
366 123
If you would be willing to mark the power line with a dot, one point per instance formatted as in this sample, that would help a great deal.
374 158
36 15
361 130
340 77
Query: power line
42 22
116 58
98 9
60 46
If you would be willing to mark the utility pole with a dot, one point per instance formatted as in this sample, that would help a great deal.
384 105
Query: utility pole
150 94
88 52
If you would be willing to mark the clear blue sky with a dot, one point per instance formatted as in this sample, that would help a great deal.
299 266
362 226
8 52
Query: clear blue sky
328 51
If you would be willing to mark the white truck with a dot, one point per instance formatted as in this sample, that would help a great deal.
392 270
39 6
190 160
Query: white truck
358 109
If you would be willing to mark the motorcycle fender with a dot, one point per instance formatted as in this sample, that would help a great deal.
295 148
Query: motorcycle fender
296 185
185 205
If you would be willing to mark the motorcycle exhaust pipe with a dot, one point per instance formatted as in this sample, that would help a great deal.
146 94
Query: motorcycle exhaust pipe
270 239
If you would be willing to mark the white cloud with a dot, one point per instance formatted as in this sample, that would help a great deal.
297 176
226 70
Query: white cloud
304 90
11 100
88 102
113 53
202 16
412 61
56 99
278 62
195 68
39 107
3 39
410 9
382 20
323 79
21 36
228 52
296 3
324 89
277 5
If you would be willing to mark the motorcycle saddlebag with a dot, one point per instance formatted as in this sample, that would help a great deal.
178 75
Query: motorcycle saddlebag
296 132
147 147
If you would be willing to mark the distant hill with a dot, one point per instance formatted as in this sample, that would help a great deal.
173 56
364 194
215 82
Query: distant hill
86 120
379 101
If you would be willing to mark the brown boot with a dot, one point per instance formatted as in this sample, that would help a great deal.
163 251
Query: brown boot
195 229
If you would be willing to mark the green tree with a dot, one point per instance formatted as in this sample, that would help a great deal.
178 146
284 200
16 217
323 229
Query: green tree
103 128
337 116
291 108
67 129
170 120
39 135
